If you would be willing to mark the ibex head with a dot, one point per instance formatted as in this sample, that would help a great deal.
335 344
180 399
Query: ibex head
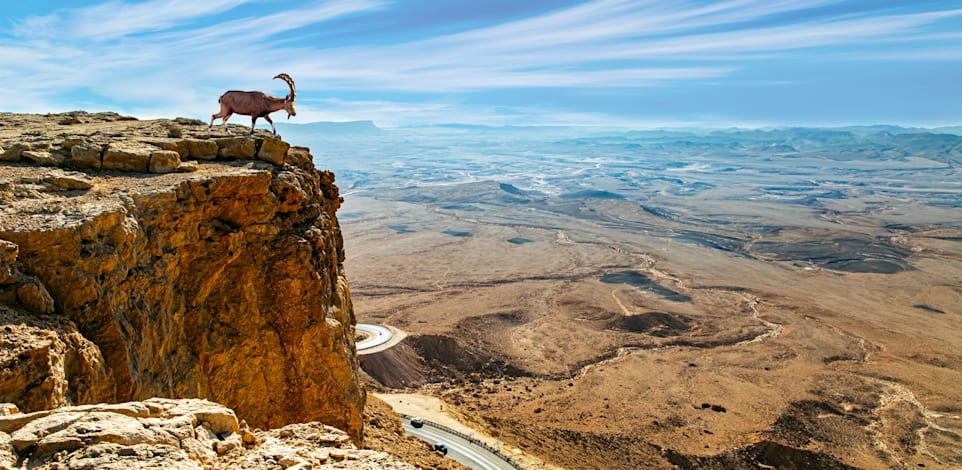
289 100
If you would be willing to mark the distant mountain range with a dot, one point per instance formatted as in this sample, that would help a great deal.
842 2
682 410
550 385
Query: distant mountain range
957 130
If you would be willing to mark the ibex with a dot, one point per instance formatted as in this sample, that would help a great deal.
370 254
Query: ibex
255 104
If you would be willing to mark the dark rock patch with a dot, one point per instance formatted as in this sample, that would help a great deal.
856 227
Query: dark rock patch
657 324
765 454
841 254
448 358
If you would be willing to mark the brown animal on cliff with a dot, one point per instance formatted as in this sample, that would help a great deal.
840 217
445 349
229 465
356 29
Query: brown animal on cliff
255 104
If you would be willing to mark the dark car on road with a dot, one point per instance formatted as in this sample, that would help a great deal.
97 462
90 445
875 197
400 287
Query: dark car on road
417 422
441 448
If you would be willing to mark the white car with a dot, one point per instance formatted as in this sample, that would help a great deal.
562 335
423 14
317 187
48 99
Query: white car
417 422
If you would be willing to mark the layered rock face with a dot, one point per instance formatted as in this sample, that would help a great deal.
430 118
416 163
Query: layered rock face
201 266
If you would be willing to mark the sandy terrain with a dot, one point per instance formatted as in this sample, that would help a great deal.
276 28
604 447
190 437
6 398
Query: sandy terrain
595 333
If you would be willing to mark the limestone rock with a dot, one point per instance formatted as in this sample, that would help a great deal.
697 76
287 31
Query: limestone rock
127 157
187 167
273 151
12 153
202 149
86 155
112 436
19 288
43 158
170 434
164 161
299 157
69 180
70 119
72 141
8 256
237 147
175 145
46 363
34 296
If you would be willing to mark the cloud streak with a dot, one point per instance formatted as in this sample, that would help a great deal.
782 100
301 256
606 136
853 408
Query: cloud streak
116 19
180 52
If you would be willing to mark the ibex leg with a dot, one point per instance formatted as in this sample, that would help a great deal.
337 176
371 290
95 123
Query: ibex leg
272 125
219 115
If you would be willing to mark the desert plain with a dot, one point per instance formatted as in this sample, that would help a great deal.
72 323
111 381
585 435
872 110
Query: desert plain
728 299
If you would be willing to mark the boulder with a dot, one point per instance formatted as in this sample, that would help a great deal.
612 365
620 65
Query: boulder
12 153
177 145
164 161
86 155
202 149
72 141
237 147
300 157
128 157
43 158
69 180
273 151
187 167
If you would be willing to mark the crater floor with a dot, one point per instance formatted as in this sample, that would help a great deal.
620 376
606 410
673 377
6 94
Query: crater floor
705 319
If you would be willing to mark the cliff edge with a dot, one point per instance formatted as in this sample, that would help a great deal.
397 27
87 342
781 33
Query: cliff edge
144 259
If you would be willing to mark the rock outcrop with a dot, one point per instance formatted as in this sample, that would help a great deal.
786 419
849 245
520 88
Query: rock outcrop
145 259
185 434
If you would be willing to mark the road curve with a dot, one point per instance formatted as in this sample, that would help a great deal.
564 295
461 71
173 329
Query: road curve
379 337
459 448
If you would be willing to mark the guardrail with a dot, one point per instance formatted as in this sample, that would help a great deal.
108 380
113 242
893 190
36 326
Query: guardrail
473 440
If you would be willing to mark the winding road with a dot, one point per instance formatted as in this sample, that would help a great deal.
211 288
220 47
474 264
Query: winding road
379 337
459 448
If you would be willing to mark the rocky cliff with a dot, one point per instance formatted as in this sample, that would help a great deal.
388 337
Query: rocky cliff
145 259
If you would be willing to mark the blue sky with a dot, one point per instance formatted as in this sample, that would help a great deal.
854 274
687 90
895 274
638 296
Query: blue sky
500 62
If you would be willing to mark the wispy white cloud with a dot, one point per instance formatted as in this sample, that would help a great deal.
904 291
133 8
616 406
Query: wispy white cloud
569 48
175 56
115 18
250 30
844 32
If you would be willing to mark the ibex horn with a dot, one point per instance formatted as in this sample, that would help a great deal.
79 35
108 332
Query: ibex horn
290 82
